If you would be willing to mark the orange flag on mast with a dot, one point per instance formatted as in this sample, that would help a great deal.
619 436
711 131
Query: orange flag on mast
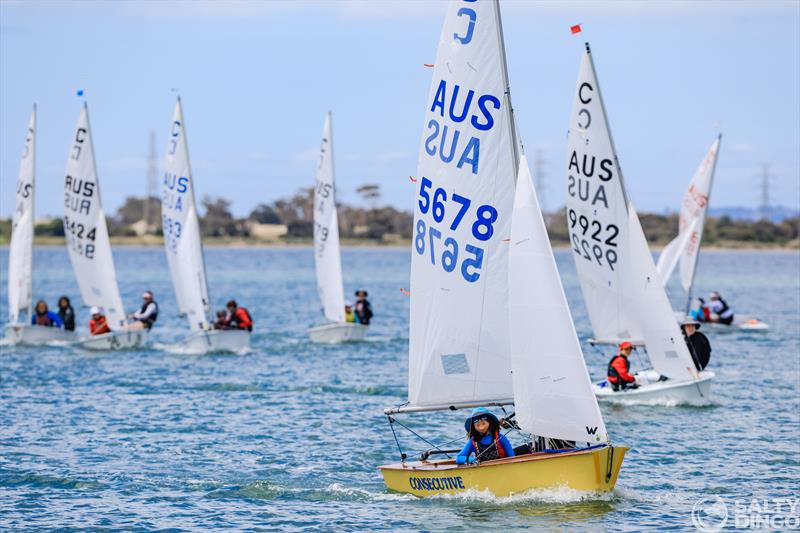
575 29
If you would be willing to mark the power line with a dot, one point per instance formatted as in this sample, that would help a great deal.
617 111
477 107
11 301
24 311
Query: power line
766 176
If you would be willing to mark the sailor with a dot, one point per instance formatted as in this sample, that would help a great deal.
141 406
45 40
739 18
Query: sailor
98 323
349 316
698 344
43 317
239 316
485 441
147 315
66 313
363 308
720 310
223 321
701 312
619 369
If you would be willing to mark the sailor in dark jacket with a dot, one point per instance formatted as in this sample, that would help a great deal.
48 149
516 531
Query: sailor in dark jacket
699 347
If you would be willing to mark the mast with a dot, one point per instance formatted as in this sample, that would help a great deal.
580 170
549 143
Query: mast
708 199
33 210
507 85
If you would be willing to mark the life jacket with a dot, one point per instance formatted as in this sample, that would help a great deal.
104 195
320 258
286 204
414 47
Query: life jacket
244 320
726 311
612 374
44 320
99 326
487 452
149 321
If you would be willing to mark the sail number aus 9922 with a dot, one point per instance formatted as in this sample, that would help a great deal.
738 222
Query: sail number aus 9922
427 237
592 241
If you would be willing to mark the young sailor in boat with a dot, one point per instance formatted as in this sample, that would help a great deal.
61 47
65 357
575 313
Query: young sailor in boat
720 310
66 313
349 316
363 308
98 323
619 369
44 317
701 312
147 315
699 347
223 320
485 441
239 316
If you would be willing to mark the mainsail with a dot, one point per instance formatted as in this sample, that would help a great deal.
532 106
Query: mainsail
85 228
327 255
685 248
623 291
553 395
459 341
20 250
182 229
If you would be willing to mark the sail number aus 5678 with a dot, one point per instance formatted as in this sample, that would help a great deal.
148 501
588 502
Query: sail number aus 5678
436 202
592 241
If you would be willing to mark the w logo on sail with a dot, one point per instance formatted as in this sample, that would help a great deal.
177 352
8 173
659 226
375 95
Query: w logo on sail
591 431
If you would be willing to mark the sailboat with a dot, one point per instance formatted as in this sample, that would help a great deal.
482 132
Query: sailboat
20 255
185 249
89 246
486 297
684 249
327 255
624 296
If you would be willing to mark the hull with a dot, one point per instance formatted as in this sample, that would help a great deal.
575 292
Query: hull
217 341
594 470
116 340
33 335
654 392
338 332
742 324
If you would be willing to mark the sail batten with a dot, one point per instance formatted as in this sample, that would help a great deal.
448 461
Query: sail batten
622 289
181 227
20 250
327 253
85 228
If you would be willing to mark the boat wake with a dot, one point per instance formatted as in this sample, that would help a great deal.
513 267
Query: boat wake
558 495
182 349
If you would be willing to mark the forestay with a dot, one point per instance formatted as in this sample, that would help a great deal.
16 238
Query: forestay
327 255
182 228
685 248
552 392
623 292
20 250
459 336
85 228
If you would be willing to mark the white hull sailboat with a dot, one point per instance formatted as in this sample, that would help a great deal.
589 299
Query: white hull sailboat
88 244
20 256
622 289
654 392
327 253
486 297
184 249
684 250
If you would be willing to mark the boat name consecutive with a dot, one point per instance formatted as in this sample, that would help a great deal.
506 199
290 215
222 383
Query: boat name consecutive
437 483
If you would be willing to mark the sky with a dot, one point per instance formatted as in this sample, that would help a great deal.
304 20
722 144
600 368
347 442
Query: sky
257 77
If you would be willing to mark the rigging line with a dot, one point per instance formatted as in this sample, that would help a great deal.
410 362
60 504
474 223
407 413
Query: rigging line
391 419
402 455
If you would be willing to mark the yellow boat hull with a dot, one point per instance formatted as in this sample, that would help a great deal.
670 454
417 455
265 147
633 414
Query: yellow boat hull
592 470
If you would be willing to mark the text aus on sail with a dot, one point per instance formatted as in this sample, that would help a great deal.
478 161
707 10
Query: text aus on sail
78 197
593 238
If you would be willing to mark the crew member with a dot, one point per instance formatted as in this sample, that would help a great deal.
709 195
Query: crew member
222 322
485 441
147 315
720 310
66 313
698 344
44 317
239 316
98 323
619 369
349 316
363 308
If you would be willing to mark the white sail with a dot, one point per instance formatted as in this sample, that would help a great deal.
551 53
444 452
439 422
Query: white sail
552 392
692 219
20 250
181 228
327 255
85 228
459 342
623 291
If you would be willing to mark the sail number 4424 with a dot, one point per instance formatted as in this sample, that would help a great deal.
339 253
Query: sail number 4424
445 250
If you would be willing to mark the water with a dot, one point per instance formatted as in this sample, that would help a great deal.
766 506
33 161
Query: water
289 435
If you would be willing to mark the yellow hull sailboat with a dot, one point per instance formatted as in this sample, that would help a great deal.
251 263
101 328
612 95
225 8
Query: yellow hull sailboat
593 469
489 321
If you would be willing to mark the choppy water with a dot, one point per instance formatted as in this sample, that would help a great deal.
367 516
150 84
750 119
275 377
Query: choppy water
288 436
